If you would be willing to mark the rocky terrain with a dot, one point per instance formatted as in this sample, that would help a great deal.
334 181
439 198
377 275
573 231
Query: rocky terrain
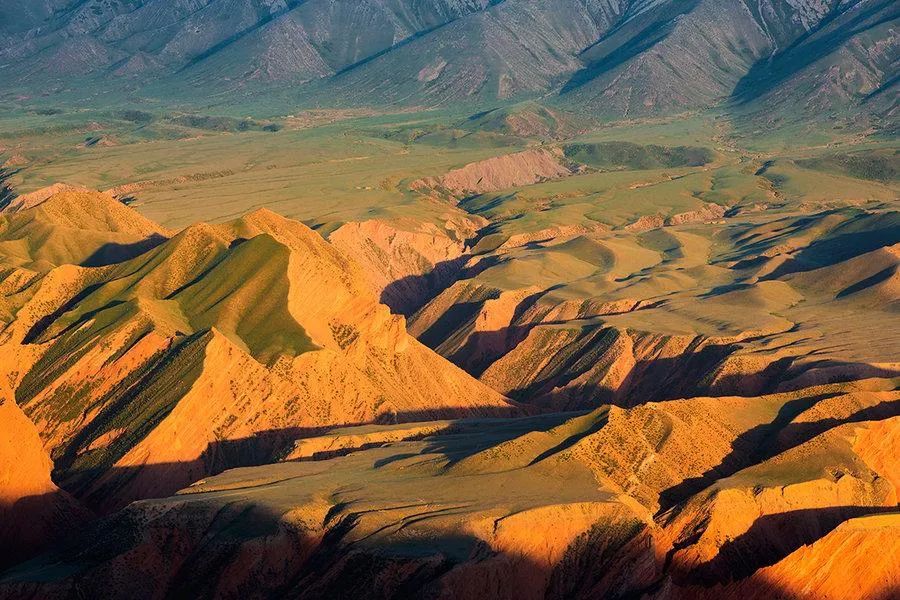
449 299
33 510
712 452
203 352
570 316
464 513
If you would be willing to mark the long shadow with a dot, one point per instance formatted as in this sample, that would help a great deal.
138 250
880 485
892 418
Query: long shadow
232 549
611 545
872 233
235 547
890 84
108 254
112 253
553 380
582 397
483 348
786 375
107 489
685 376
766 381
879 277
452 320
34 522
104 488
408 294
749 249
571 440
288 6
480 204
471 437
842 371
795 434
118 486
650 380
679 377
44 323
751 447
768 440
636 42
768 73
773 537
7 194
404 42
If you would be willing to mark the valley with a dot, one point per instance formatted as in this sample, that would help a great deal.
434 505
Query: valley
446 299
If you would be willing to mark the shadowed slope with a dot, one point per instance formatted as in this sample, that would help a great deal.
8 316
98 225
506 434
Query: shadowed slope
508 509
66 225
33 511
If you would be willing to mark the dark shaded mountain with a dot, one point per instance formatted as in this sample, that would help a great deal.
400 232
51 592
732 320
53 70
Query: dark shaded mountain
612 58
796 56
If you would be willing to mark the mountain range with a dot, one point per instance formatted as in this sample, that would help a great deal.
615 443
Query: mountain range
449 299
773 59
211 332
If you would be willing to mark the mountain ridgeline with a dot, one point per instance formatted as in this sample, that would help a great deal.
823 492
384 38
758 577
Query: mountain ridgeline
449 299
782 59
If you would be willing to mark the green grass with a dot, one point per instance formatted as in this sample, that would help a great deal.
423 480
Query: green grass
324 176
876 166
692 130
204 166
246 296
797 185
627 155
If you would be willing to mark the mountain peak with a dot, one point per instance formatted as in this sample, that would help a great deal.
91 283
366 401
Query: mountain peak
69 225
231 330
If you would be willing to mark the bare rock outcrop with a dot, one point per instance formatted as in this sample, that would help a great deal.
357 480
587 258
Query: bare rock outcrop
498 173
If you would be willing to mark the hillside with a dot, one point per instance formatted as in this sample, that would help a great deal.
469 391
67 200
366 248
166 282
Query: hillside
65 225
117 365
465 513
713 451
33 510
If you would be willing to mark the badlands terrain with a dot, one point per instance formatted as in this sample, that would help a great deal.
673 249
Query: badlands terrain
515 367
448 299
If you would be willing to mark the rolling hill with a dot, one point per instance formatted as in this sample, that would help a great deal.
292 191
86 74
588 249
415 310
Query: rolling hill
464 512
208 350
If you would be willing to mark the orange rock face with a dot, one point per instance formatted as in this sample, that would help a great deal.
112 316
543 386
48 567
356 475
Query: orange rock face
405 268
288 434
212 349
501 172
33 511
857 560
